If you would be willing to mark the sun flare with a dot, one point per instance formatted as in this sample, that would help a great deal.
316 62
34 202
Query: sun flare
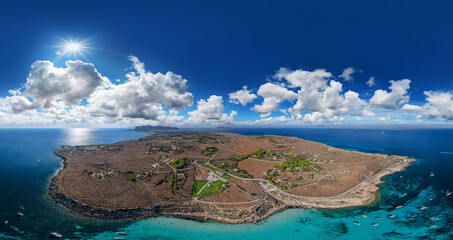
73 48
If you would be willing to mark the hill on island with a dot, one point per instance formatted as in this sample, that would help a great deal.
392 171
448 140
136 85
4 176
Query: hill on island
148 128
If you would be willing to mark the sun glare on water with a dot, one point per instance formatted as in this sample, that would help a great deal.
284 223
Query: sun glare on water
72 48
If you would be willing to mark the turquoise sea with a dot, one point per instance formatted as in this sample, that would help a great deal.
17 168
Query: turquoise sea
27 163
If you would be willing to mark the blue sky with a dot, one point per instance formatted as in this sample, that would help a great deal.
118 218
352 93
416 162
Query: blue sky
217 48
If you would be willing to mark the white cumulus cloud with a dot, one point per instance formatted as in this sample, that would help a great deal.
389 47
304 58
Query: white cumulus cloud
273 95
371 82
439 105
47 85
211 110
347 74
243 96
397 96
142 95
320 96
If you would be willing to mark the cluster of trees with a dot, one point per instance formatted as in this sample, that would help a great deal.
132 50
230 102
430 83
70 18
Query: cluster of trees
299 161
239 158
173 183
259 154
130 175
180 163
160 181
210 150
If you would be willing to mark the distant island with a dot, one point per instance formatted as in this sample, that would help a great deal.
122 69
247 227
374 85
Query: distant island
149 128
225 177
222 127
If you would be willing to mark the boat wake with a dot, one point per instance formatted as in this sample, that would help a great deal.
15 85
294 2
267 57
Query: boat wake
446 152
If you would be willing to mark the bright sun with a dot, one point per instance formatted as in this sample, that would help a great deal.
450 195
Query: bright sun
72 47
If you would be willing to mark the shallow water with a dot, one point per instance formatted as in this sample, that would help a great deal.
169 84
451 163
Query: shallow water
27 164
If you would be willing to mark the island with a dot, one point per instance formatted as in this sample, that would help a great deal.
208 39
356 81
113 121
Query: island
149 128
224 177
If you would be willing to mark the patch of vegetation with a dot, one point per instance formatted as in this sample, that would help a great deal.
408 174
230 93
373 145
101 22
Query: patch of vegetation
239 158
289 154
180 163
210 150
160 181
231 168
173 182
271 174
307 168
297 164
214 188
197 186
259 154
241 188
205 139
130 176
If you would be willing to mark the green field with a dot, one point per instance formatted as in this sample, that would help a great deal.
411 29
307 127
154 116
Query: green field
215 188
197 185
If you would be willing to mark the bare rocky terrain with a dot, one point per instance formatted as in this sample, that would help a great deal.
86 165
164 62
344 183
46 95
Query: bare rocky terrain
220 176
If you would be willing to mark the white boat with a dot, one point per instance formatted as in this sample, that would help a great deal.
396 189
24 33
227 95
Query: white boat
423 208
398 207
19 214
363 215
55 235
375 224
433 226
5 222
121 233
447 194
356 223
391 216
431 174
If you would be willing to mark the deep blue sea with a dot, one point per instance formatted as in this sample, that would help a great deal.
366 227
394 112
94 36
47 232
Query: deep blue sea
27 163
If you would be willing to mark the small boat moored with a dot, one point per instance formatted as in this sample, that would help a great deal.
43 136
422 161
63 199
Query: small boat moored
363 215
391 216
55 235
375 224
356 223
398 207
19 214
